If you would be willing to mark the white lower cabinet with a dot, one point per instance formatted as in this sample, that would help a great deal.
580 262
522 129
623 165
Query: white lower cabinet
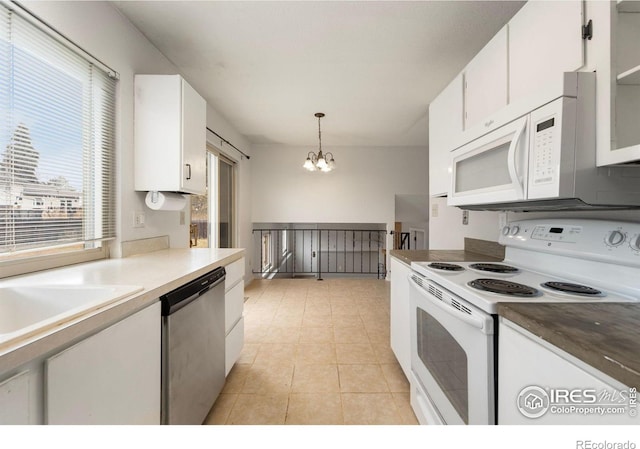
538 383
400 314
234 307
112 377
14 399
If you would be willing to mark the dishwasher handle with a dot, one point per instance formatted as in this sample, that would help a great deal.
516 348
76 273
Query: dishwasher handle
182 296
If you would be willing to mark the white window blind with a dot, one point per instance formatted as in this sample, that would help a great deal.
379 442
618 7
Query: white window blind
56 143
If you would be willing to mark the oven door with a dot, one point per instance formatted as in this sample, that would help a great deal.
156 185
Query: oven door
493 168
452 355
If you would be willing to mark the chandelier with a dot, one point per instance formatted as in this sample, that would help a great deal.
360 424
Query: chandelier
322 162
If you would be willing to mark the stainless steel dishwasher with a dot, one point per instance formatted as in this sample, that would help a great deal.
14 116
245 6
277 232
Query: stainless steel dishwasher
193 357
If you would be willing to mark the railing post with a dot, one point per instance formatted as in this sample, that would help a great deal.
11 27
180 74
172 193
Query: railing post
319 254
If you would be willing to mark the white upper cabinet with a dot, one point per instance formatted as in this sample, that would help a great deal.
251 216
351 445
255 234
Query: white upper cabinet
614 54
545 40
445 124
170 135
485 81
625 94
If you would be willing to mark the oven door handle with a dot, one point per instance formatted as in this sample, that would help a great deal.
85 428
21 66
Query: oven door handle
469 319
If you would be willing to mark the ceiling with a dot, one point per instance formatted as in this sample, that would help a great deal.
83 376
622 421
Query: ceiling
372 67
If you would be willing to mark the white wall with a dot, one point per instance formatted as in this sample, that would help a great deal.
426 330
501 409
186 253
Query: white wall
446 230
412 211
361 190
218 124
103 31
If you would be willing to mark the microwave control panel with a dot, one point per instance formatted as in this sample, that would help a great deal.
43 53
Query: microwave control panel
543 158
547 137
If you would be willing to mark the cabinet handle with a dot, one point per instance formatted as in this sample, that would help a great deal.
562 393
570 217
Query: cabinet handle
189 167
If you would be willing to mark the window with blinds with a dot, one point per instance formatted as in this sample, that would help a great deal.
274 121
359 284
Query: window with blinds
57 188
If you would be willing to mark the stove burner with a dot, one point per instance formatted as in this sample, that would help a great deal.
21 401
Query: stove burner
504 287
575 289
494 267
445 266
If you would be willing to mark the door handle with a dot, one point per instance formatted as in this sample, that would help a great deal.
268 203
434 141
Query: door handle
511 159
189 172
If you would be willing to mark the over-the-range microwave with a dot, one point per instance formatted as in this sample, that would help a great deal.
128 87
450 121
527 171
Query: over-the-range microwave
543 160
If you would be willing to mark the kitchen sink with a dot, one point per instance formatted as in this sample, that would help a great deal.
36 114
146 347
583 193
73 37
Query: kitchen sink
26 310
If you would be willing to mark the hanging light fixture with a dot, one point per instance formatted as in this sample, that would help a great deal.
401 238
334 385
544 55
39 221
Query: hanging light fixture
322 162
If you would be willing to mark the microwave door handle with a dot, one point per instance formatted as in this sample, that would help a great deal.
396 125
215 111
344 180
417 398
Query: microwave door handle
511 160
473 321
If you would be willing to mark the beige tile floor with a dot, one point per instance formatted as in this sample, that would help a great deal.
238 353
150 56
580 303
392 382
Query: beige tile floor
316 352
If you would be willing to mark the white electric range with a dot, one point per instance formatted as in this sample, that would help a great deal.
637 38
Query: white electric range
454 305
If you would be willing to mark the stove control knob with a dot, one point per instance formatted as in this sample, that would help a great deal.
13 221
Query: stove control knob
635 243
615 238
505 230
515 230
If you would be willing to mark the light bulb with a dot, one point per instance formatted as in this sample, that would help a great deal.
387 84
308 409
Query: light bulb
322 163
308 164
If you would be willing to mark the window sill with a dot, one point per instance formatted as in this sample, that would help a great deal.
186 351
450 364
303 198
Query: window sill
39 263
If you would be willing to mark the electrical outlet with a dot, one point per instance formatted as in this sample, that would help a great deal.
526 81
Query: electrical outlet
434 210
465 217
138 219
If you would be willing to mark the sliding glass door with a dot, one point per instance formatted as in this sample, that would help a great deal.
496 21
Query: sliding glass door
226 206
213 222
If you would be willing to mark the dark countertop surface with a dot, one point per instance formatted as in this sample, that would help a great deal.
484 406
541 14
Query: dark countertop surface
475 250
408 256
603 335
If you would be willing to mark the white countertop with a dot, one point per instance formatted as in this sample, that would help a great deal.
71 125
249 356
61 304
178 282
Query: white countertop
157 273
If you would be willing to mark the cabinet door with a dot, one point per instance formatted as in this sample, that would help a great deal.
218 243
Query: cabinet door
157 132
234 305
527 361
112 377
14 400
194 141
545 40
233 344
485 80
234 273
400 314
170 135
445 125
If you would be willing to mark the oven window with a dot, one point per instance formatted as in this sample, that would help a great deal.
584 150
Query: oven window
445 359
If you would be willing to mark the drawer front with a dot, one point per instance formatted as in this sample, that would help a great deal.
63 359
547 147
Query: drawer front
235 273
233 345
234 304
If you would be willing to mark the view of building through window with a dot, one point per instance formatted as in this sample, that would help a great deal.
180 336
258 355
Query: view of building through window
56 145
33 210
